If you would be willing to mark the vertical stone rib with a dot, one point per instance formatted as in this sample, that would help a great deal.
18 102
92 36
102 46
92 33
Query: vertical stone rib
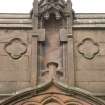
70 71
34 72
70 51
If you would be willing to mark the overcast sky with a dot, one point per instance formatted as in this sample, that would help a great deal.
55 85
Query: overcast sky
80 6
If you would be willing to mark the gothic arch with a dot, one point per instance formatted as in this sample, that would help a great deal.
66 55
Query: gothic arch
53 93
52 99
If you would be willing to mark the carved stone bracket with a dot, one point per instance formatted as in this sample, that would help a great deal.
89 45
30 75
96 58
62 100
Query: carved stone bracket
52 72
88 48
16 48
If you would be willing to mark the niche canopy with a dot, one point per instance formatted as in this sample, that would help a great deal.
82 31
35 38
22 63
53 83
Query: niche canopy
48 7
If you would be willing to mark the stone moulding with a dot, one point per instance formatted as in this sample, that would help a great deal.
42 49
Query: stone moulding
85 20
16 48
88 48
51 93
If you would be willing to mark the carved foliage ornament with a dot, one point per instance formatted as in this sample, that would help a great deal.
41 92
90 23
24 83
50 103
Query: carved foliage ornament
16 48
47 7
88 48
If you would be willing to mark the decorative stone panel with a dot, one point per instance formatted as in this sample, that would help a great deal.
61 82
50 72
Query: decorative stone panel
16 48
88 48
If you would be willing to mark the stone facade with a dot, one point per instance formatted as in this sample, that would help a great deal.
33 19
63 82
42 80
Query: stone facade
53 43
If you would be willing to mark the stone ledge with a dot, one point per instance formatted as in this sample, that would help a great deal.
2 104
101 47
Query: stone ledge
82 20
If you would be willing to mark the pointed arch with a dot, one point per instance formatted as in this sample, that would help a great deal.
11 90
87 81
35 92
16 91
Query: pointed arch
52 100
68 96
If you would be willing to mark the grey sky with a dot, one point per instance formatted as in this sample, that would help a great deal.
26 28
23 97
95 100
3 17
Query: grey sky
80 6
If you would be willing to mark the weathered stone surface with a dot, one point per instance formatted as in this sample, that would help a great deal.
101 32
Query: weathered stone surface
16 48
98 35
53 93
102 49
8 64
88 48
97 88
10 75
7 35
88 74
97 63
7 87
22 85
14 74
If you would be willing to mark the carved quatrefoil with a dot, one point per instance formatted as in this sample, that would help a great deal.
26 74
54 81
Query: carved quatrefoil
88 48
16 48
